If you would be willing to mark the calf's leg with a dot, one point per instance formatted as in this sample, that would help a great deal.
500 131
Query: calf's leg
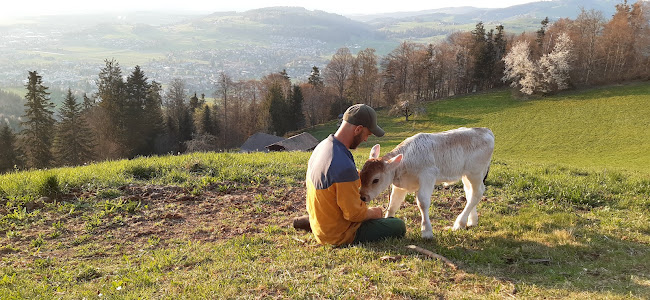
474 189
424 202
397 196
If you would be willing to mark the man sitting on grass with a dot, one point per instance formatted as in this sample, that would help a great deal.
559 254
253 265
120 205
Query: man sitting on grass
337 215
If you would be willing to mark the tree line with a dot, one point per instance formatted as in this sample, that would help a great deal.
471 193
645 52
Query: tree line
131 116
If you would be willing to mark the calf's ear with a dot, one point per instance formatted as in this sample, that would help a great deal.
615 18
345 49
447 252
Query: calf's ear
374 152
395 160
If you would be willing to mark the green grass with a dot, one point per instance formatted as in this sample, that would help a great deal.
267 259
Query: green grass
599 129
565 216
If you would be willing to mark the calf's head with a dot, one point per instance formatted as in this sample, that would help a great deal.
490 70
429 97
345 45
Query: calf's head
377 174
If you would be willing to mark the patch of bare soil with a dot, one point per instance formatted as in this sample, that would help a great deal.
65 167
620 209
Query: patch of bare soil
165 214
215 214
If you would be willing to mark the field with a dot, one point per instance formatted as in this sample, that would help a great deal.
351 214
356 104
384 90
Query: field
565 216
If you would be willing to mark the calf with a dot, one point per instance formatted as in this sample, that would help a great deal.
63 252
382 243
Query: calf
426 159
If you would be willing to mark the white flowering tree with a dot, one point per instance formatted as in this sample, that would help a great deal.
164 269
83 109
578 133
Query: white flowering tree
557 64
547 75
519 69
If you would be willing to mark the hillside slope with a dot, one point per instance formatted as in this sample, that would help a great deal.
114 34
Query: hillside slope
218 225
599 128
602 128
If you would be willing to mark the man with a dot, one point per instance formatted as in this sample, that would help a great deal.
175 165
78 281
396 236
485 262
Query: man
337 215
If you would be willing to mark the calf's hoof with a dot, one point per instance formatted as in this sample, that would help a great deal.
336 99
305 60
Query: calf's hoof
427 235
459 226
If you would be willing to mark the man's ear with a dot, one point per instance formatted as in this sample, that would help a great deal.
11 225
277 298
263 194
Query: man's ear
374 152
394 162
358 129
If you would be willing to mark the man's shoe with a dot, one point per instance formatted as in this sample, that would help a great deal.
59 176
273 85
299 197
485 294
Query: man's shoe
302 223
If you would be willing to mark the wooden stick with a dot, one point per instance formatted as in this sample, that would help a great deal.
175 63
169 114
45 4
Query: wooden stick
433 255
298 240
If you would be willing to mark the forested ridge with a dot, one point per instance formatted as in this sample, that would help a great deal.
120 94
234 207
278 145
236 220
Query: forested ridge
130 115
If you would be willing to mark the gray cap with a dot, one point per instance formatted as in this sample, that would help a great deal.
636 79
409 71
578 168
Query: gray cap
364 115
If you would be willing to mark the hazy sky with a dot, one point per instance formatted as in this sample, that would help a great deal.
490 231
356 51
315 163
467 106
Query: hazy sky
344 7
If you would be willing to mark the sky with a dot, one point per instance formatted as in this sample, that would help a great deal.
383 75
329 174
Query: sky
14 8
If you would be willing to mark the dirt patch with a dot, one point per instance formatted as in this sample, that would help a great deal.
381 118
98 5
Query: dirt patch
213 215
155 215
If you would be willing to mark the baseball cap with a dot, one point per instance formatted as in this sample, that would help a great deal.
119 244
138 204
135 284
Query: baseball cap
364 115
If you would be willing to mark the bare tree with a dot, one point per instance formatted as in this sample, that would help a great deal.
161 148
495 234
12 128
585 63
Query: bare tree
368 76
222 95
586 30
337 73
398 67
407 105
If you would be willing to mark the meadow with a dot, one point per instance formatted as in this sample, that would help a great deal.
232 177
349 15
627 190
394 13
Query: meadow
565 215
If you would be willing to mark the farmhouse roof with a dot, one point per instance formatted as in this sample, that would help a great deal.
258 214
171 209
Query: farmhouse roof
258 142
300 142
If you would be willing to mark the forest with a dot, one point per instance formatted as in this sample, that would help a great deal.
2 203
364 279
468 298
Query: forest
131 115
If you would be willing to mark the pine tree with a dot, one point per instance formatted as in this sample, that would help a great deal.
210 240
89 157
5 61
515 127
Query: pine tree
297 116
205 123
9 158
38 132
178 112
73 144
500 43
153 119
112 96
315 97
314 78
483 53
541 33
88 103
194 102
137 91
277 110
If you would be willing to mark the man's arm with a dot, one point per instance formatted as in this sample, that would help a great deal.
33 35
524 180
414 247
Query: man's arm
349 201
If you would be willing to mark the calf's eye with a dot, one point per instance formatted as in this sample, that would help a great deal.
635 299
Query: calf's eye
374 181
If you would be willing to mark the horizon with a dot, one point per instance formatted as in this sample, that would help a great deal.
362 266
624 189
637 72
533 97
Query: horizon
76 7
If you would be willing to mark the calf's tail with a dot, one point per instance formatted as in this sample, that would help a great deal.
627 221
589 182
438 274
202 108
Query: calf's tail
486 174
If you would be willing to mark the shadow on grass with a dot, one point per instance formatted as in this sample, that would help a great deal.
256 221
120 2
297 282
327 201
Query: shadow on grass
595 263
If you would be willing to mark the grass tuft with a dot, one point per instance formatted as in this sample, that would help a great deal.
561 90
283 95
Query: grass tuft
87 273
50 187
141 172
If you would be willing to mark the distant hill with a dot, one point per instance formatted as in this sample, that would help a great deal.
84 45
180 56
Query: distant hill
432 25
228 30
553 9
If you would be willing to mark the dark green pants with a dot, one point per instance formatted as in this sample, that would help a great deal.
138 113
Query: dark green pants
379 229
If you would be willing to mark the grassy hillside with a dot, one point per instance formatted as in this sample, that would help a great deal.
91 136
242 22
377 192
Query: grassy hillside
598 129
559 220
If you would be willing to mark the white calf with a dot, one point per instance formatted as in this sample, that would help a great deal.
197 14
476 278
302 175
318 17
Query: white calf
426 159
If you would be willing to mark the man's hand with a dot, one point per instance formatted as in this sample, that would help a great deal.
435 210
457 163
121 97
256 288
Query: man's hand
374 213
